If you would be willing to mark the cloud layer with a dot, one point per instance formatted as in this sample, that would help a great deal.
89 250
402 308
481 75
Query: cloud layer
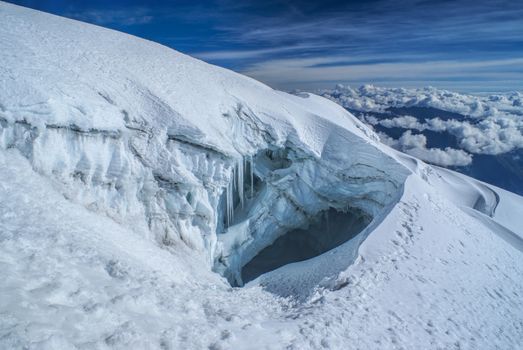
480 124
416 145
491 124
488 136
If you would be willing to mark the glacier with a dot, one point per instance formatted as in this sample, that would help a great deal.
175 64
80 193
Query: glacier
151 200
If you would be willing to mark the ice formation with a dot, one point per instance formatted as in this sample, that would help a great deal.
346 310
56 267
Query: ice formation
157 163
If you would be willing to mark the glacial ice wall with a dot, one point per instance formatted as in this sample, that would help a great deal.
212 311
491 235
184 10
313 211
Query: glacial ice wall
227 207
183 152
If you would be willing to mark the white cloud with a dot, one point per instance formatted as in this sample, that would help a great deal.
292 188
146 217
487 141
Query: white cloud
406 122
488 136
416 145
447 157
386 139
128 17
302 71
235 54
490 124
409 140
239 54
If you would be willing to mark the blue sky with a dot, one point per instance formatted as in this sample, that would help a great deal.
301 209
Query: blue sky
460 45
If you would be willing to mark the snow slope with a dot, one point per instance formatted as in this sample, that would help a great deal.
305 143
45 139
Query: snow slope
133 176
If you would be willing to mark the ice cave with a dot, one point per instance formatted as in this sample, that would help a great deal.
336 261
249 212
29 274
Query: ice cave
277 209
326 231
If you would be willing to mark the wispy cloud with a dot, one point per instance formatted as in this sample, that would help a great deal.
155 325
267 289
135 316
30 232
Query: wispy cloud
125 17
323 71
240 54
306 44
456 42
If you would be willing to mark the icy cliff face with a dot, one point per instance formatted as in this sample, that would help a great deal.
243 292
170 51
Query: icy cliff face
179 150
178 190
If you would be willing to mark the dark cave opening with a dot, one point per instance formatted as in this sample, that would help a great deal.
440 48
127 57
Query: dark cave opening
325 231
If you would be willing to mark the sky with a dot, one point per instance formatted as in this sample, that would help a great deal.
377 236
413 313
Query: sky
462 45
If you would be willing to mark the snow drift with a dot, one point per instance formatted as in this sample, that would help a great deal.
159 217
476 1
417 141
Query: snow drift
191 169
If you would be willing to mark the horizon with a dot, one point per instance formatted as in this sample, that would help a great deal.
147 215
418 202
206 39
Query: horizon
464 46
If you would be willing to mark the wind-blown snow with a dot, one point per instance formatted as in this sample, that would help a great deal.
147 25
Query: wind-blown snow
133 176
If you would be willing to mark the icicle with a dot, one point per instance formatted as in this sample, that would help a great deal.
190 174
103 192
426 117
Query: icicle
233 177
245 163
240 181
252 176
236 183
231 205
229 199
227 222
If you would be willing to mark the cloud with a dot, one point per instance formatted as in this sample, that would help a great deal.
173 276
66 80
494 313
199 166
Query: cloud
296 44
406 122
416 145
409 140
240 54
447 157
485 124
284 73
352 22
488 136
126 17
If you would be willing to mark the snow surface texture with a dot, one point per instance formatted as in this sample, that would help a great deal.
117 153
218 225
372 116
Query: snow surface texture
130 174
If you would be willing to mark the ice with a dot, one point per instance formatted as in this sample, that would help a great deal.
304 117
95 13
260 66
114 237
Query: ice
240 183
230 203
251 172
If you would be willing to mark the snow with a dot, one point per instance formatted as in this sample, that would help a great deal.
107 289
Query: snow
137 182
